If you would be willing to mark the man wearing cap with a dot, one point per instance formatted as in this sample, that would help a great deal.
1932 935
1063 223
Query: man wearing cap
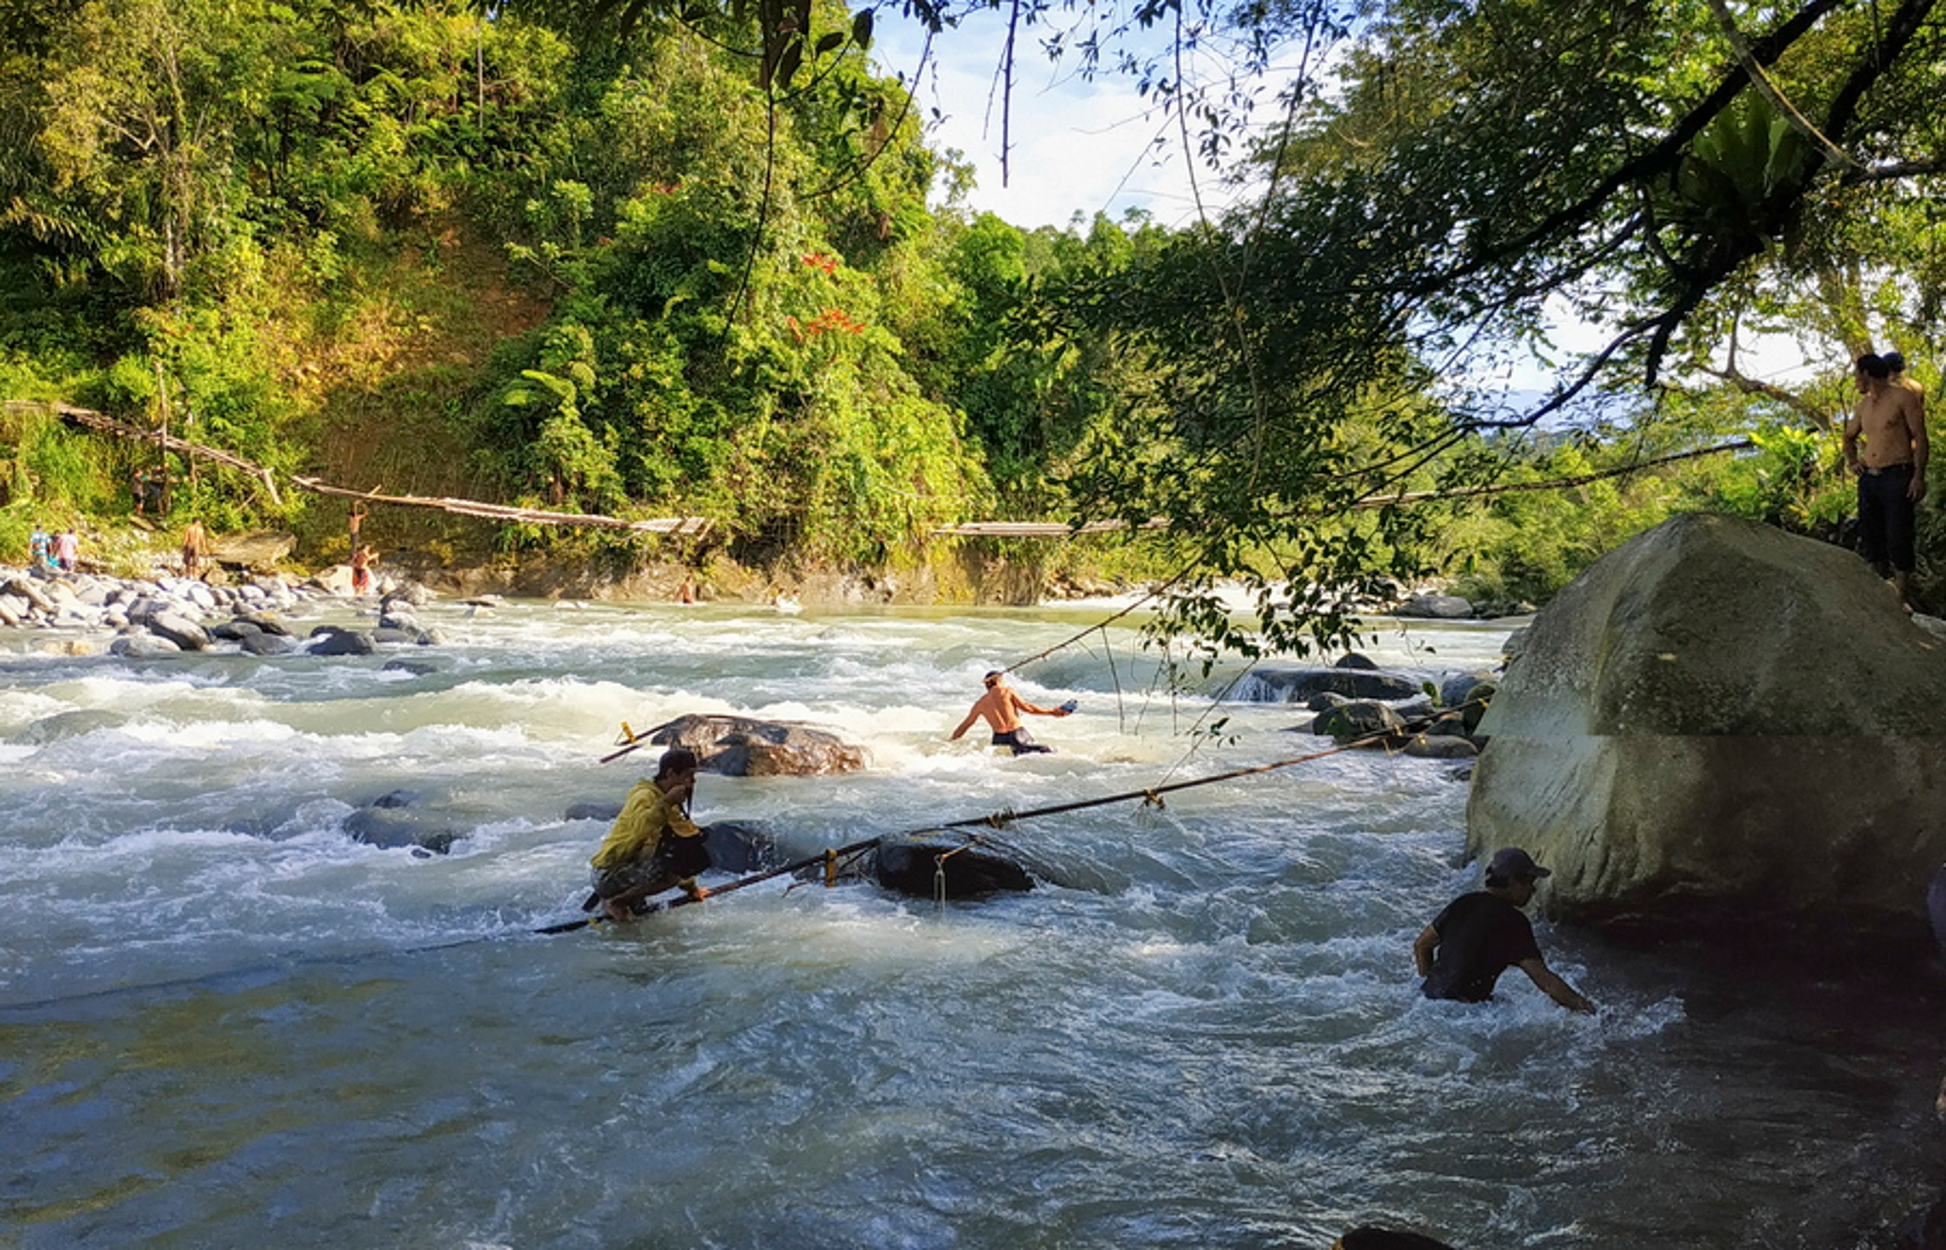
653 845
1895 361
1482 934
1002 709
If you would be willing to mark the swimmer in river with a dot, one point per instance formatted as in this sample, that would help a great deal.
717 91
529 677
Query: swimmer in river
1002 708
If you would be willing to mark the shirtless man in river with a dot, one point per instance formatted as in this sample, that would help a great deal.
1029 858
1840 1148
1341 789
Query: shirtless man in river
1002 709
1890 420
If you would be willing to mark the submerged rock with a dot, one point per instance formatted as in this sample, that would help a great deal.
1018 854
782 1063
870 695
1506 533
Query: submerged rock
948 865
71 725
1717 711
395 820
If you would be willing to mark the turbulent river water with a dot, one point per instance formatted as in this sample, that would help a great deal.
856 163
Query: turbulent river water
225 1022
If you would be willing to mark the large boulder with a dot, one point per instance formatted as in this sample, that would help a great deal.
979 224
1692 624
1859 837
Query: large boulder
1717 712
260 549
741 746
1436 607
1298 685
941 864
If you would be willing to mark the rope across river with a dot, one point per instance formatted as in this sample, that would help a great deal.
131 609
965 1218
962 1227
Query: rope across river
1000 820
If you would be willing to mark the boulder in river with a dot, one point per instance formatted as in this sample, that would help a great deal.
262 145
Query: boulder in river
1298 685
1435 607
331 640
1718 712
939 864
398 819
1359 718
143 647
742 746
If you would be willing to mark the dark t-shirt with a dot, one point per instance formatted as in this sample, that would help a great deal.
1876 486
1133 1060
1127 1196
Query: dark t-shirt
1481 935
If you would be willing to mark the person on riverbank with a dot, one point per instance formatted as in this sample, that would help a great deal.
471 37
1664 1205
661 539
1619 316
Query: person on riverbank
194 541
1895 362
1890 422
362 560
1002 708
1480 935
67 550
653 845
40 550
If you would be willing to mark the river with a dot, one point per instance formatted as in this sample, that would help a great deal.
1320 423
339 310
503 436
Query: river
224 1022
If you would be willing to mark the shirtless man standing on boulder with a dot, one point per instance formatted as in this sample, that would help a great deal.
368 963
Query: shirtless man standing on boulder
1891 422
1002 709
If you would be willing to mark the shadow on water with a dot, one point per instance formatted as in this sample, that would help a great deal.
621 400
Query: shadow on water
1790 1022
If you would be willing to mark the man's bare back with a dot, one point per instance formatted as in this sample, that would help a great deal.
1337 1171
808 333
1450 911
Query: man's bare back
1001 709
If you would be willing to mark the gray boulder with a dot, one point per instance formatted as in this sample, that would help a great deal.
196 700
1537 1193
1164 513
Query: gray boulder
1297 685
740 746
1441 747
1360 718
1719 712
327 640
143 647
268 644
179 629
1435 607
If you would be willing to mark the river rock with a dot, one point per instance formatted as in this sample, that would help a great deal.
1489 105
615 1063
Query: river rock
1430 746
1297 685
330 640
735 846
179 629
395 820
741 746
1719 712
1360 718
143 647
949 865
1435 607
259 643
71 724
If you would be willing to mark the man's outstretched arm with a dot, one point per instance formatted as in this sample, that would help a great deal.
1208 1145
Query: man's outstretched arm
1554 987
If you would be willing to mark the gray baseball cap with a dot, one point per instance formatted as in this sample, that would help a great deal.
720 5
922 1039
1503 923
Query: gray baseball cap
1510 862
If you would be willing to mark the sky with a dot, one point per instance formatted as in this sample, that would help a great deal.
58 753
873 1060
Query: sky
1078 146
1087 146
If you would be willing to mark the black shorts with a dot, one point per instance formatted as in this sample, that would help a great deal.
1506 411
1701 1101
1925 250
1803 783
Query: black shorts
1021 743
1887 518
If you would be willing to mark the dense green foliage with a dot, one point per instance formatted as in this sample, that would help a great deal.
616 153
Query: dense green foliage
733 298
642 260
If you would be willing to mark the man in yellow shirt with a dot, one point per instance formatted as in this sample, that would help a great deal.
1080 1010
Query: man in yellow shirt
653 845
